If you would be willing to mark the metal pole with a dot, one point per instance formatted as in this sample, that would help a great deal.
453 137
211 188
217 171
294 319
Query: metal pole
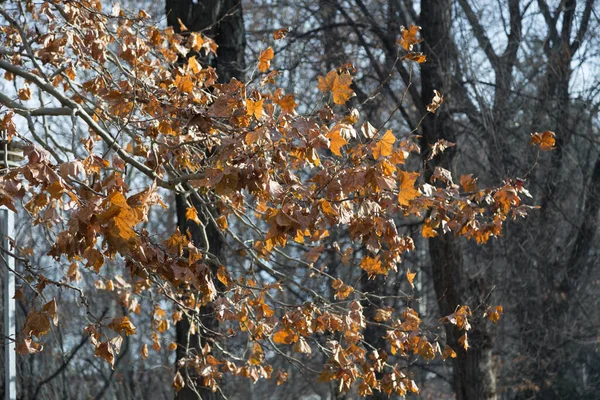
10 356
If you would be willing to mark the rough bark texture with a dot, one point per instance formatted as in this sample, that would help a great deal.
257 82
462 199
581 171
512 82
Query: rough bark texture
223 21
473 372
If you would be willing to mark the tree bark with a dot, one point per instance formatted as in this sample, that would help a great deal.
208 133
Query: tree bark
223 21
473 372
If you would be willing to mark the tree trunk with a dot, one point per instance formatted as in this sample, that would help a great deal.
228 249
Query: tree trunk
473 372
223 21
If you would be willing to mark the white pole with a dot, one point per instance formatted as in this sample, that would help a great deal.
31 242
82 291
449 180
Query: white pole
10 356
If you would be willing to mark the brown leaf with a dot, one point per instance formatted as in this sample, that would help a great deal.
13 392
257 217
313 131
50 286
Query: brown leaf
264 60
546 140
436 102
178 382
280 33
122 325
257 356
105 351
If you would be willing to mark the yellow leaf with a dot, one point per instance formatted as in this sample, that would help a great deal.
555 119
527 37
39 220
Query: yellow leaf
464 341
407 191
427 231
384 146
372 266
410 276
264 60
223 276
194 65
184 84
255 108
192 215
338 85
336 142
257 356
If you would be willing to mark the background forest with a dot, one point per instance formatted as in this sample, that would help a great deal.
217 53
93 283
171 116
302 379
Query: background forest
505 68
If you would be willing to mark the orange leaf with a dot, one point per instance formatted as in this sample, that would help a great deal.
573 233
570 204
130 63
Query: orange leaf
287 103
468 183
464 341
407 191
409 37
184 84
410 276
255 108
336 142
178 382
373 266
384 146
280 33
264 60
546 140
192 215
342 291
223 276
448 352
284 336
122 324
338 84
257 356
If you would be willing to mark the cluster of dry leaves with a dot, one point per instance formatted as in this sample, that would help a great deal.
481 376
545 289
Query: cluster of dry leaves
286 177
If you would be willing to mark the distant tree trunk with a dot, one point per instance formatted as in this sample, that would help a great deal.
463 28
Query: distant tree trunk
473 372
223 21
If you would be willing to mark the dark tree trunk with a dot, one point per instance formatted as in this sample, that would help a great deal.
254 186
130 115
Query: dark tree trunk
473 372
223 21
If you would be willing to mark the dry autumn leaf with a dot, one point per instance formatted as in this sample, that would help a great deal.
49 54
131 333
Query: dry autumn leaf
280 33
436 102
264 60
122 325
546 140
384 146
407 191
284 336
408 37
410 277
338 85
